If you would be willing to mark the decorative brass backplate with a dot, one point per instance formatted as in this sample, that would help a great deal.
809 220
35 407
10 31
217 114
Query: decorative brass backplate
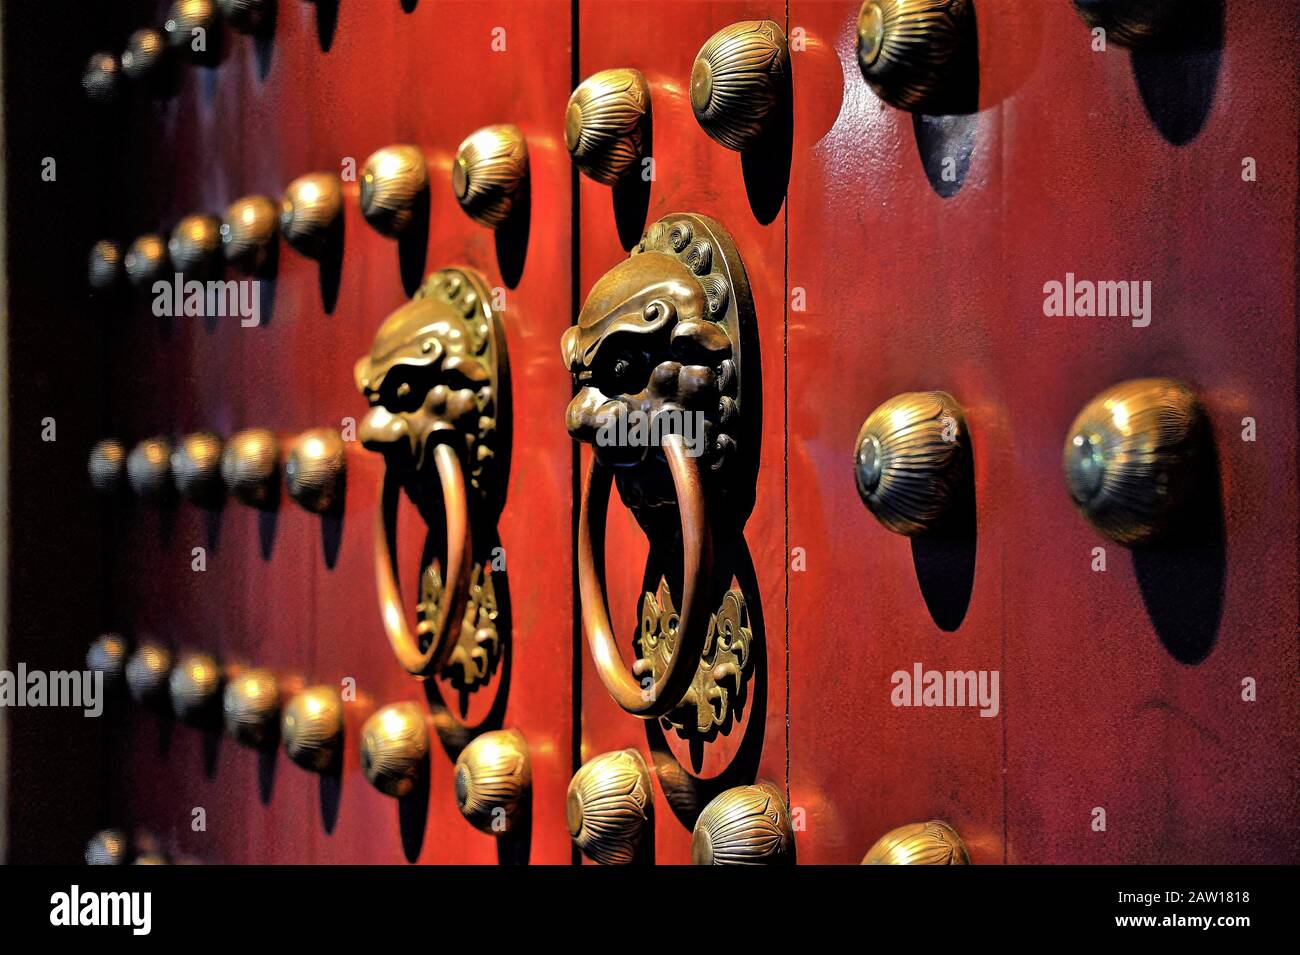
747 825
912 461
906 48
605 122
716 690
493 780
434 378
311 729
1133 23
739 79
251 708
921 843
490 173
609 806
394 180
395 748
656 356
1131 457
311 213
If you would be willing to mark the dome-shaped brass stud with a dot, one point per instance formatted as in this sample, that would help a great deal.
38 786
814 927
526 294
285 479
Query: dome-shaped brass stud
906 48
1132 455
196 468
102 79
148 468
195 246
921 843
250 467
1132 23
106 466
251 708
315 470
146 259
108 847
248 16
311 729
184 18
609 806
146 673
605 122
151 858
490 173
144 53
248 233
195 686
493 778
311 213
748 825
740 77
394 180
395 748
104 270
107 655
911 461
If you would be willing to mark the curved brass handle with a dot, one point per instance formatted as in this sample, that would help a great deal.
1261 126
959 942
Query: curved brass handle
490 173
907 47
912 460
747 825
106 466
493 780
394 748
455 592
609 806
1131 457
692 628
248 231
604 123
921 843
251 708
393 180
739 78
146 258
104 269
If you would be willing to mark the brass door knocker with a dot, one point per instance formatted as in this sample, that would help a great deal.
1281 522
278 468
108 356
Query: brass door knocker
436 377
656 354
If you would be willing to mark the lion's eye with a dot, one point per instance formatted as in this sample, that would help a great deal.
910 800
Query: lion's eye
622 367
404 389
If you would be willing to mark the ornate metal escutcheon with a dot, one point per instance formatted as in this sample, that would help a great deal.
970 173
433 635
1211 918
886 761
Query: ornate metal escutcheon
657 357
921 843
436 379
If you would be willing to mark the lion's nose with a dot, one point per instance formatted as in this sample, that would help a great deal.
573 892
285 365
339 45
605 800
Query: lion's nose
380 430
589 411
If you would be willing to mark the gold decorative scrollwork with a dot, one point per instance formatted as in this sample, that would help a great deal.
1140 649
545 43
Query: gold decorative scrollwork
477 652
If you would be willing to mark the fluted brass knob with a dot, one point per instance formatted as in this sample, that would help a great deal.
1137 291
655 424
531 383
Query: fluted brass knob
195 686
748 825
311 728
1132 23
250 467
151 858
490 173
186 16
108 847
146 672
195 246
493 778
311 213
609 806
394 181
740 77
146 259
605 123
248 233
395 748
921 843
251 708
1132 455
102 79
148 468
144 53
107 655
106 466
912 461
315 469
247 16
104 270
906 48
196 468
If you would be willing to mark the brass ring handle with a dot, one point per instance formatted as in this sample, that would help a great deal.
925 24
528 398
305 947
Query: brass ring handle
455 591
697 559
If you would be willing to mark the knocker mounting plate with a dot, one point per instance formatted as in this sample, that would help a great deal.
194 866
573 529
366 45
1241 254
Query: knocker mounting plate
477 652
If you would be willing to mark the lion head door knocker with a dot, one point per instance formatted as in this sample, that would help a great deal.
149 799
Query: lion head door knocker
437 380
657 358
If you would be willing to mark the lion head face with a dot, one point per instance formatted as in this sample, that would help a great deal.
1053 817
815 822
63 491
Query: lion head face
430 378
652 354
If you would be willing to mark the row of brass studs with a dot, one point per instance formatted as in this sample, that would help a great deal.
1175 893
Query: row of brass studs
203 469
